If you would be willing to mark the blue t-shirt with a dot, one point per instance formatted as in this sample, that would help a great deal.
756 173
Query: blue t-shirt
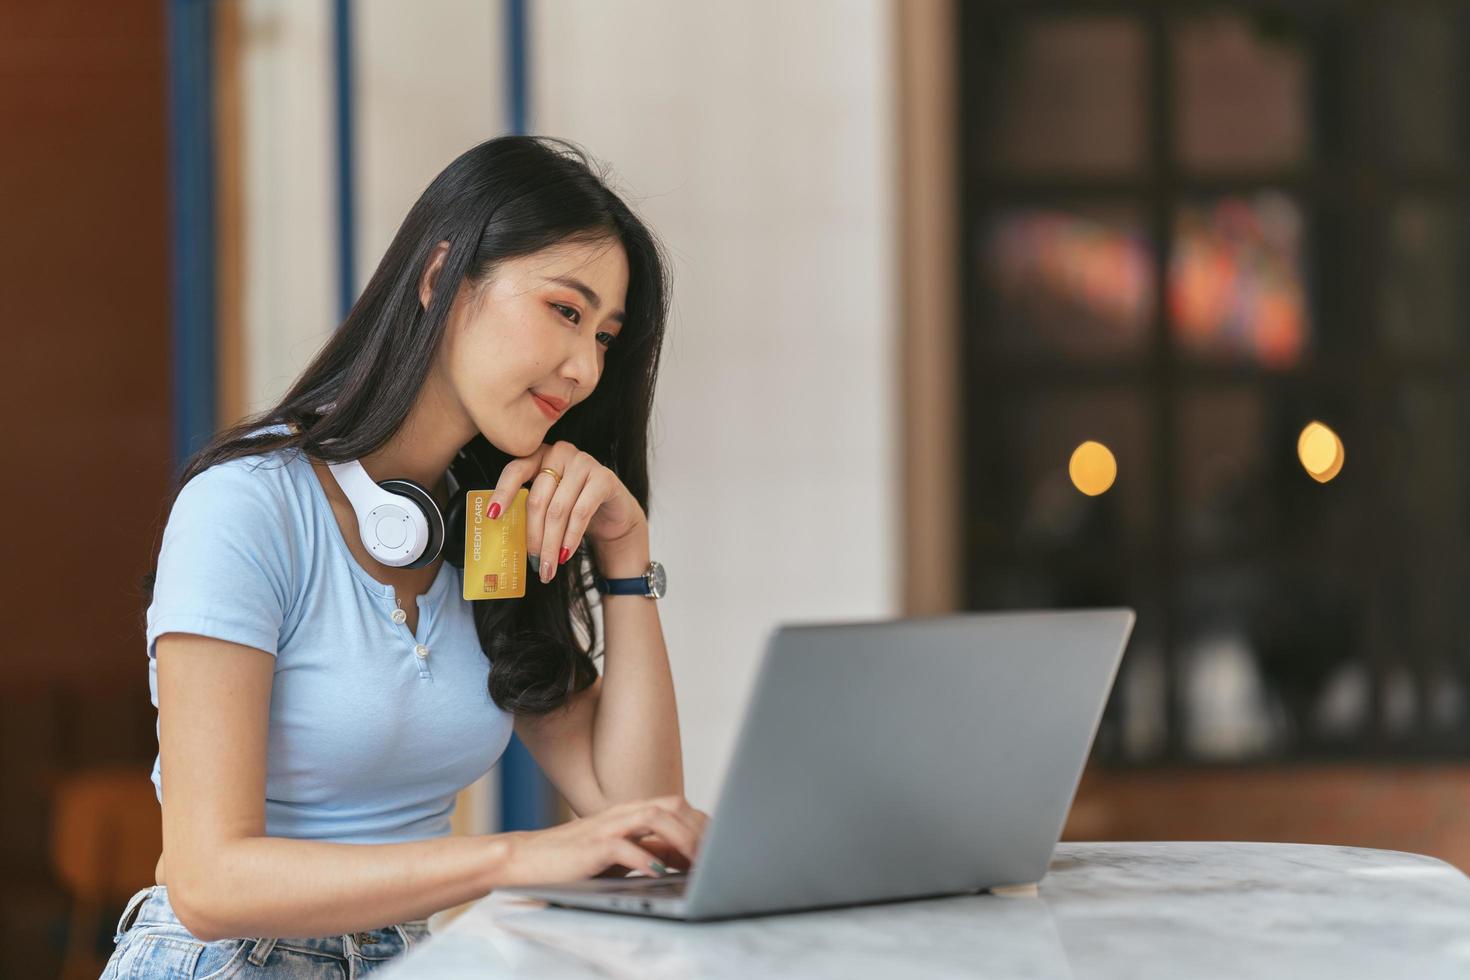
369 741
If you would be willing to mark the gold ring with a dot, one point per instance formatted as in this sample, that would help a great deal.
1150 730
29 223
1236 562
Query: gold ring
554 474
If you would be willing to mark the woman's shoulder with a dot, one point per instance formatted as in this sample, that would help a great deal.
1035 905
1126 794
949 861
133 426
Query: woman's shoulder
232 556
260 486
258 479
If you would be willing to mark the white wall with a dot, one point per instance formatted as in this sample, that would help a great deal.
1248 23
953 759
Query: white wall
756 137
430 83
288 203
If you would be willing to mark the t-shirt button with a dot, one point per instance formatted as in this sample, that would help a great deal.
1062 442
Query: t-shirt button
399 616
421 650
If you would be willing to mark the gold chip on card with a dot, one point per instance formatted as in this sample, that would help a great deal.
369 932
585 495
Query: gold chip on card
494 551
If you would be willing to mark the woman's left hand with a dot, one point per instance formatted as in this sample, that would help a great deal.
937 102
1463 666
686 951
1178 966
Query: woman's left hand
589 501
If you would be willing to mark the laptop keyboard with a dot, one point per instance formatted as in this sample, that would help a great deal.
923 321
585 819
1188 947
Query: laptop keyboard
672 885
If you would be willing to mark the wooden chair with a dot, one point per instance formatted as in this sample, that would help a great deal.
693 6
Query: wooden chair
106 835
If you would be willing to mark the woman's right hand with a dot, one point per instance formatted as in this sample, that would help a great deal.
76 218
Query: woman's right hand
587 846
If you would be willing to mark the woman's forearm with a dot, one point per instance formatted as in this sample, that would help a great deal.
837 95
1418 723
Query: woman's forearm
635 731
284 887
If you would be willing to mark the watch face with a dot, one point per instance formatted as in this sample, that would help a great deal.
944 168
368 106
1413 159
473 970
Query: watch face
656 577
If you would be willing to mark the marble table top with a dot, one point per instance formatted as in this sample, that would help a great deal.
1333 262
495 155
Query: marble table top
1170 909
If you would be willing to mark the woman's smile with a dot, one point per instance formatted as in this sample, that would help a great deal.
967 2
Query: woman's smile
546 407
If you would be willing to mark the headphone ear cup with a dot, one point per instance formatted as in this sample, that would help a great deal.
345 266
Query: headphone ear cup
454 532
435 520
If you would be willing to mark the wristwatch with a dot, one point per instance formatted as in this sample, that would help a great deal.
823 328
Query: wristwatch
651 583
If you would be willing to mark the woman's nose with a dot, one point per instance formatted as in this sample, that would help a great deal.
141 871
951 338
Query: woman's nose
582 367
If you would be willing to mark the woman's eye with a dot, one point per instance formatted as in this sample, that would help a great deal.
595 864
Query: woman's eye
565 310
610 338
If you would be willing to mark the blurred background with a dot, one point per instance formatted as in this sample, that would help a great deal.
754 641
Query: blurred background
977 305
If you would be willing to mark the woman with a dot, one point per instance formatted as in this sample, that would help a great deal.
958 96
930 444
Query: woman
319 710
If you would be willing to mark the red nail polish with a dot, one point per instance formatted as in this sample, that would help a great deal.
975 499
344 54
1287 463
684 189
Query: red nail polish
494 511
561 559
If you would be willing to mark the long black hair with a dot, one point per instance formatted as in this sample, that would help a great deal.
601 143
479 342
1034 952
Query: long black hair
502 199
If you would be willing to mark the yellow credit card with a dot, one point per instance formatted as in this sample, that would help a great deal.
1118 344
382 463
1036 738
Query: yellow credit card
494 551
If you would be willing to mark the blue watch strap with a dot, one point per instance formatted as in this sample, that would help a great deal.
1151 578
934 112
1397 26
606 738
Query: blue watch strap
623 586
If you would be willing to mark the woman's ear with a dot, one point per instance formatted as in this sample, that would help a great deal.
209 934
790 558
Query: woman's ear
431 273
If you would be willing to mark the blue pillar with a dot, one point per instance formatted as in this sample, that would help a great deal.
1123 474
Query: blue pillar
527 800
515 61
346 189
191 220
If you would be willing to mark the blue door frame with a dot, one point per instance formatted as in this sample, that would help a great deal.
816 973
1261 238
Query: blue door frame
527 801
191 221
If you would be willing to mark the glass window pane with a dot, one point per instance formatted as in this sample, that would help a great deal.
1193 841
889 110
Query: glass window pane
1228 700
1423 497
1071 96
1418 543
1241 93
1134 726
1038 540
1236 283
1422 293
1415 101
1075 282
1051 515
1222 438
1139 699
1271 593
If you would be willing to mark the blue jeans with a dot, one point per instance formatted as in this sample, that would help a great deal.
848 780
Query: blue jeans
152 942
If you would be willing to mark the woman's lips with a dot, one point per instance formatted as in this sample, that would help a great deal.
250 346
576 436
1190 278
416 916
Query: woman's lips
545 407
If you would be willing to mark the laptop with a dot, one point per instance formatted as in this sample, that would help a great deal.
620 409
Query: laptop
890 760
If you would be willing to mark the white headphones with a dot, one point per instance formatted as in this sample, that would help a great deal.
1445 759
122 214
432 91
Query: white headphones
398 519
